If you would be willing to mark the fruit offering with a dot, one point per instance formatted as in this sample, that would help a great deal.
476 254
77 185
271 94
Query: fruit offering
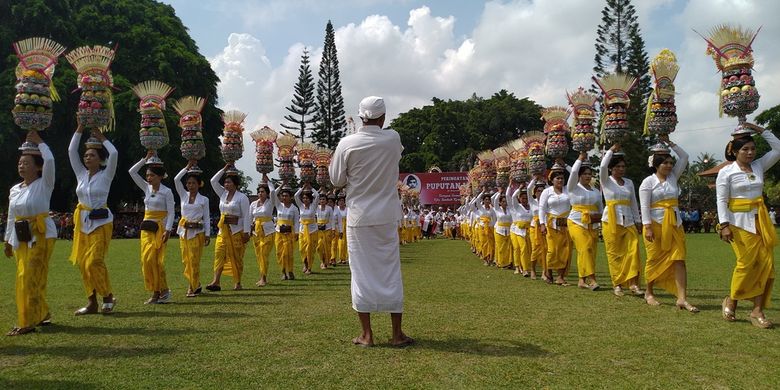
616 88
519 158
232 136
535 141
34 91
322 160
731 48
487 172
661 117
264 149
502 165
153 133
582 103
556 127
286 143
191 124
96 107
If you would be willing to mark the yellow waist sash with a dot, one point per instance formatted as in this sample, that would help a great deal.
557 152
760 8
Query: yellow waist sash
669 221
585 210
158 216
612 213
740 205
322 221
485 221
522 224
305 222
37 222
259 221
504 224
553 216
78 242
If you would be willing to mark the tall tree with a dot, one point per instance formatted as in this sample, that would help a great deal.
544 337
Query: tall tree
303 107
153 45
620 48
330 121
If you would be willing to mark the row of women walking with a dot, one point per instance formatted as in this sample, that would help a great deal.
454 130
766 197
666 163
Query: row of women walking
538 223
317 223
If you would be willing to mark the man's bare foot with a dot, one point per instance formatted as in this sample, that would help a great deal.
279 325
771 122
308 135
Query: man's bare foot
403 341
362 342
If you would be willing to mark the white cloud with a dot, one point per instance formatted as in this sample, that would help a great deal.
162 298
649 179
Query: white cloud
538 49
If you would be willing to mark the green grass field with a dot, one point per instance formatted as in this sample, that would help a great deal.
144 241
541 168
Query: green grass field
476 327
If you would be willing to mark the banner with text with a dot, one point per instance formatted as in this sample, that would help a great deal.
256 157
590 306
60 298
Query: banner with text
436 188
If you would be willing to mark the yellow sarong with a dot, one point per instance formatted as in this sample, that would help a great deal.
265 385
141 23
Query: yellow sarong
585 242
262 244
521 247
538 244
768 233
324 237
755 268
91 258
668 224
32 272
229 251
659 268
191 253
343 253
153 253
503 247
622 247
306 242
558 246
284 246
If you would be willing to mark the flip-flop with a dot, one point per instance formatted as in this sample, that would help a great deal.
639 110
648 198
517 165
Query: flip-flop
356 342
108 307
407 342
214 287
84 311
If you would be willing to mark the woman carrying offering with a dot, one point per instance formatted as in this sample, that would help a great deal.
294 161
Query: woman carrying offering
286 230
194 228
156 226
745 223
93 221
554 208
486 221
30 233
521 222
663 233
538 240
235 225
262 211
621 224
306 198
586 209
503 244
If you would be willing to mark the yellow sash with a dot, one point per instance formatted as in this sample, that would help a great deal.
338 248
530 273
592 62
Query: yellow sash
504 224
306 222
322 222
612 213
585 210
553 216
522 224
78 241
37 222
157 215
227 238
259 221
740 205
669 221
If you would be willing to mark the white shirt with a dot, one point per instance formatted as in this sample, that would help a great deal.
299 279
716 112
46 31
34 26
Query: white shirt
533 203
367 164
341 218
265 209
325 213
238 205
626 215
483 212
197 211
503 216
33 199
286 213
732 182
652 190
579 195
93 191
307 212
161 200
518 211
553 203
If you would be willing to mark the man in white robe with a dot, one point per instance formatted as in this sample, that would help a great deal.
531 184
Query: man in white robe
367 164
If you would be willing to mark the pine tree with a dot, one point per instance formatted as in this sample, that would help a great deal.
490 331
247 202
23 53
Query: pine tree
330 122
620 48
303 107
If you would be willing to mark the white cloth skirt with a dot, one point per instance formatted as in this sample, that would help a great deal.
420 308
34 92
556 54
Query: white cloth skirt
375 262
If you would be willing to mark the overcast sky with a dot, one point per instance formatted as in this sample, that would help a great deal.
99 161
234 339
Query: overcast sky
409 51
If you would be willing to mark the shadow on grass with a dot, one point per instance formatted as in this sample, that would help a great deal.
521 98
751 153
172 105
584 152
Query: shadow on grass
84 351
44 384
96 330
214 315
484 347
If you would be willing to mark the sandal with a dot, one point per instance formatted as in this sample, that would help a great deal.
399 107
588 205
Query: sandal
213 287
618 291
190 294
687 306
20 331
636 290
108 307
403 344
761 322
46 320
728 313
85 310
198 290
593 286
650 299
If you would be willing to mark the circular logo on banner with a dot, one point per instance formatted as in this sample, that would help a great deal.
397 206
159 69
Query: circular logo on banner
414 182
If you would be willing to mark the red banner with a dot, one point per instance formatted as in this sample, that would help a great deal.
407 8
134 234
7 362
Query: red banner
436 188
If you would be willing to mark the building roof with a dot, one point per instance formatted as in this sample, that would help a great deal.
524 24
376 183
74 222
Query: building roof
712 172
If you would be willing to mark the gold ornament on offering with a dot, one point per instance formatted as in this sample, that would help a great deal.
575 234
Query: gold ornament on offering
232 136
96 104
34 90
731 48
264 149
616 88
556 127
661 115
583 104
286 143
305 152
154 132
191 124
322 159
